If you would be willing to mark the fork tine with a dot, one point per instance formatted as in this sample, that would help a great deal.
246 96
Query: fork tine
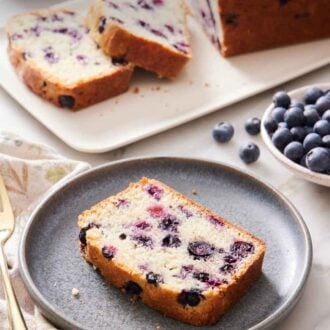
6 206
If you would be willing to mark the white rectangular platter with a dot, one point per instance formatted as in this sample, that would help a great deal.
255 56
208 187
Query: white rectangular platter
209 82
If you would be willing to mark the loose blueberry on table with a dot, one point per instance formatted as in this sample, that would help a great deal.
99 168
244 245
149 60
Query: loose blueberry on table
249 153
302 130
223 132
252 126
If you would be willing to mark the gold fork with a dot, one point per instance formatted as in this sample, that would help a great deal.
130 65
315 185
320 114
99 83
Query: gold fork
7 224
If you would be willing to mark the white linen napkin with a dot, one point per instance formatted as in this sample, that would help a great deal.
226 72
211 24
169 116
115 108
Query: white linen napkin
29 170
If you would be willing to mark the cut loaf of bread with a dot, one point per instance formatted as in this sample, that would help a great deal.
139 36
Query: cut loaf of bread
243 26
54 55
149 33
177 256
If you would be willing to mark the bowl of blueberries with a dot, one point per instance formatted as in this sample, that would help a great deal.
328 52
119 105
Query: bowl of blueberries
296 129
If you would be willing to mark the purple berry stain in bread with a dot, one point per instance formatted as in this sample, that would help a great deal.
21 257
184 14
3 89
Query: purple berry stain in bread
156 211
185 211
190 297
154 191
169 222
66 101
201 276
200 249
215 220
109 251
143 240
227 268
230 259
242 249
171 241
153 278
122 203
142 224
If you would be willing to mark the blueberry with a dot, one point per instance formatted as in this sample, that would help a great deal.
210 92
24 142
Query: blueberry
311 141
326 141
281 138
227 268
281 99
298 133
294 117
312 94
201 276
242 249
322 104
83 231
66 101
169 222
200 249
171 241
278 114
132 288
322 127
326 116
283 124
303 161
153 278
191 297
270 125
297 104
109 251
311 115
252 126
223 132
308 130
318 159
294 151
249 153
229 259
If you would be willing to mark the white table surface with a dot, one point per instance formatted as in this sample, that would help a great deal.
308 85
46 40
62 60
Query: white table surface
194 140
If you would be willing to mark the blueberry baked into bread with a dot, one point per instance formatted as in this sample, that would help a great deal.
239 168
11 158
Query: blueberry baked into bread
175 255
151 34
54 55
241 26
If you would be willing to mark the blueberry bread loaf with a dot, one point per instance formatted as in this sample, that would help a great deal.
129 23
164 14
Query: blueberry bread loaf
54 55
241 26
151 34
176 256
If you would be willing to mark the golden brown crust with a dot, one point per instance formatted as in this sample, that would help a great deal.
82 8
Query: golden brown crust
84 93
119 43
250 25
215 302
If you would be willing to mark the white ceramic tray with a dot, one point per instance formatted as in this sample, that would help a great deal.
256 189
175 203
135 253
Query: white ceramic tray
208 83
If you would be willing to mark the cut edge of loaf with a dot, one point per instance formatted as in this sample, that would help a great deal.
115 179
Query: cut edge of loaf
150 55
84 93
163 299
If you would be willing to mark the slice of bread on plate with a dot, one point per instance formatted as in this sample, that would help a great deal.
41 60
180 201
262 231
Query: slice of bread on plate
152 34
54 55
175 255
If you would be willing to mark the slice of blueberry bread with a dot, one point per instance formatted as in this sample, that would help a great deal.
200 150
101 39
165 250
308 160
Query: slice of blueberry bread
54 55
237 27
149 33
175 255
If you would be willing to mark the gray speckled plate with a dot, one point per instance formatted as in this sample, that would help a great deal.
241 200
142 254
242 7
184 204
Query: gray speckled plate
51 264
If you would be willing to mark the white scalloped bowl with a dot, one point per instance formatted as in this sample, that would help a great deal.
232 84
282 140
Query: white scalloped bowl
298 170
